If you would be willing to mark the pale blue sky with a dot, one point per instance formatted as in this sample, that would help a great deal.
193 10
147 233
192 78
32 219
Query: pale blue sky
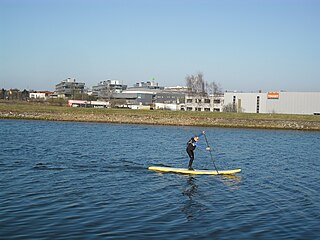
244 45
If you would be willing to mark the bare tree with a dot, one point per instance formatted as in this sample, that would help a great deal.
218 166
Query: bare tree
196 84
213 88
230 108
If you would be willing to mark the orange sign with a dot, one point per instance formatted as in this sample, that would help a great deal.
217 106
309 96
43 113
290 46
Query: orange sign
273 95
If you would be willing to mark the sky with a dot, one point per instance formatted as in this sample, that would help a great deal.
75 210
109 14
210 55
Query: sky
243 45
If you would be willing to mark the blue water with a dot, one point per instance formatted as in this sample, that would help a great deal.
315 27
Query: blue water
90 181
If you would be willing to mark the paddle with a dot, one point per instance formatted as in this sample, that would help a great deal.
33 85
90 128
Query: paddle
210 153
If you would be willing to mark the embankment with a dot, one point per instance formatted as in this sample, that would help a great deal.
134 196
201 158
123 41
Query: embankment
157 117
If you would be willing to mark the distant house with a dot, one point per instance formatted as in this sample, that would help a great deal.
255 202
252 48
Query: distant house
40 94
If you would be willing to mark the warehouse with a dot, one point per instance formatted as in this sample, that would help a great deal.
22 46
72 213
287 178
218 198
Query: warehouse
274 102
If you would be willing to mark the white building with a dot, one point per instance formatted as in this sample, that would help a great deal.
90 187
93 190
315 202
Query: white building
274 102
212 103
40 95
167 106
88 104
37 95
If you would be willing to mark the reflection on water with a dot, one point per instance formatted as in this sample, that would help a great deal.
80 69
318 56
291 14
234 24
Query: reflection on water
191 188
191 207
232 181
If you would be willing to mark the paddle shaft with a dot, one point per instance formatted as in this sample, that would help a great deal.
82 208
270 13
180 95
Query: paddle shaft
211 154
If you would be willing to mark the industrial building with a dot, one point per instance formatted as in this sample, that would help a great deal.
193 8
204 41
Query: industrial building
69 88
140 96
274 102
106 88
148 84
149 94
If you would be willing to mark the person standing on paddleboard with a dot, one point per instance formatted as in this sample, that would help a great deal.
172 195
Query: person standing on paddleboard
191 146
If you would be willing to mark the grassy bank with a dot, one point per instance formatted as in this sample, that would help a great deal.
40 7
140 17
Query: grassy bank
42 111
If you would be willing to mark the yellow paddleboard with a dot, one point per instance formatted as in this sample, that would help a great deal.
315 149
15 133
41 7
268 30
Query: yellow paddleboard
195 171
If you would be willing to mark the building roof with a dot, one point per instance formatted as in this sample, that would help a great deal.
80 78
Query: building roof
142 90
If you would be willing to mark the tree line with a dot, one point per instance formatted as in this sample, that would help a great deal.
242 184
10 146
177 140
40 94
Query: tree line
14 94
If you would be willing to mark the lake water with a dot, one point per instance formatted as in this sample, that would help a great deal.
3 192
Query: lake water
63 180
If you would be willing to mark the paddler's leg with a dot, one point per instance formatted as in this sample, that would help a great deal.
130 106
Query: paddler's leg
191 155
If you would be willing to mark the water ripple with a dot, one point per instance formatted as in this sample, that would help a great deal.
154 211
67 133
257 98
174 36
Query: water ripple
90 181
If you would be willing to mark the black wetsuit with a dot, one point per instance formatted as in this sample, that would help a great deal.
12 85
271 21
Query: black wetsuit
191 146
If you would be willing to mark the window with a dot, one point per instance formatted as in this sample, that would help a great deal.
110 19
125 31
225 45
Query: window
234 102
258 104
207 109
207 100
216 101
189 100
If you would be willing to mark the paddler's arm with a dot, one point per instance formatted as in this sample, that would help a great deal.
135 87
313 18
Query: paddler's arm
201 146
201 134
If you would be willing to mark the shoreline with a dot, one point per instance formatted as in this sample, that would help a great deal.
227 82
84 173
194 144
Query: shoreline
44 112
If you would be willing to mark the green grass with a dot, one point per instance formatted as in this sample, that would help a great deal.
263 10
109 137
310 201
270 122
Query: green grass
23 107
